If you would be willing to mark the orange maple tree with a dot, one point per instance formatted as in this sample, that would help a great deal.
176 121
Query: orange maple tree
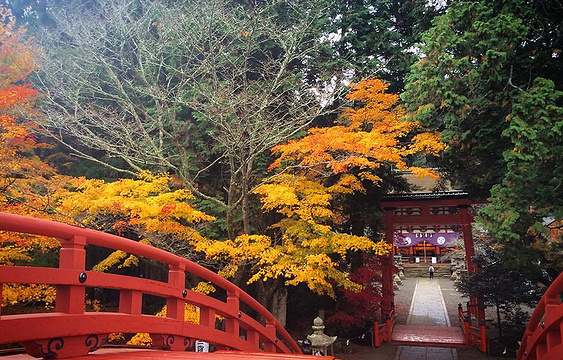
21 171
314 172
364 138
22 174
340 158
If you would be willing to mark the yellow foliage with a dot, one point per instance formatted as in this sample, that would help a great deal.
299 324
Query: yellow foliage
348 184
116 338
114 258
93 305
303 254
149 201
28 293
132 260
11 253
140 339
204 288
326 164
298 196
191 315
150 207
364 137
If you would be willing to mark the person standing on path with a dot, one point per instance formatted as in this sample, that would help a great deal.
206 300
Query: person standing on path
431 270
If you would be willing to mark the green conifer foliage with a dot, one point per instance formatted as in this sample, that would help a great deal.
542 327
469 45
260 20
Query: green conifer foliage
490 78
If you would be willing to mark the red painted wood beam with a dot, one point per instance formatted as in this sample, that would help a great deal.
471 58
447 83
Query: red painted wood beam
544 334
420 202
430 220
149 354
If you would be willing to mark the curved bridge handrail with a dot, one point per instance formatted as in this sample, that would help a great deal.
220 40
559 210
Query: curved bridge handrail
71 235
547 317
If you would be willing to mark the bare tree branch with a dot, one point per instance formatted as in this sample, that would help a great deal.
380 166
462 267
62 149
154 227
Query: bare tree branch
187 88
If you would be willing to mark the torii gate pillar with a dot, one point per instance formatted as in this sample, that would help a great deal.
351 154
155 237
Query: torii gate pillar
476 306
387 290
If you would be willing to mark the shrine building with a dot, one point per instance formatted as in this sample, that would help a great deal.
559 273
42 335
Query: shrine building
425 237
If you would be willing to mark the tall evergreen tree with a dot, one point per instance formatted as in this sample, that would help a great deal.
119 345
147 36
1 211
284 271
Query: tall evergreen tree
490 80
378 36
478 57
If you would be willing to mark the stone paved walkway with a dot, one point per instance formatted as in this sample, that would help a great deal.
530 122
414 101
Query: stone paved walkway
422 302
427 309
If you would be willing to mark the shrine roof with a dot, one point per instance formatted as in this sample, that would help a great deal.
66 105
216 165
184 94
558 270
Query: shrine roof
455 194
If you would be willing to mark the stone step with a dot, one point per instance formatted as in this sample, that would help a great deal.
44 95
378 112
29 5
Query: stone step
421 270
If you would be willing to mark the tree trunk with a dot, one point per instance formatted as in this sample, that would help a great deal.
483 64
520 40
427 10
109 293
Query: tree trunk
245 205
279 305
499 323
230 223
273 295
246 175
231 199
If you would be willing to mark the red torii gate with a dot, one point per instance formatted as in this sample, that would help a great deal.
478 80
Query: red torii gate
428 211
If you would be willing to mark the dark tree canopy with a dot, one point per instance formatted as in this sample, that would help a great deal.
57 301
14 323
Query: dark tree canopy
490 79
377 37
478 58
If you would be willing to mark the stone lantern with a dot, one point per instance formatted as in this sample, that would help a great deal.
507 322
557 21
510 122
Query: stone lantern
319 340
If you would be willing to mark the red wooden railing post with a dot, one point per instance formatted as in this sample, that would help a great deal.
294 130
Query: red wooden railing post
70 298
130 302
176 278
253 337
207 317
389 329
233 324
483 344
269 344
466 330
376 334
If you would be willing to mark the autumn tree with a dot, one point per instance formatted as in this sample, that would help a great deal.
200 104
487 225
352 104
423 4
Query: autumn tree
312 174
358 310
17 159
199 89
365 137
23 176
153 208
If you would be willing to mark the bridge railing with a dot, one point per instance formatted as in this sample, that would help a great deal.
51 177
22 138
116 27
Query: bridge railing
543 338
384 331
473 335
70 331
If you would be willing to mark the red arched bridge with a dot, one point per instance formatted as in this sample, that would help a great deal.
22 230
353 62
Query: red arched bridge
70 331
543 339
